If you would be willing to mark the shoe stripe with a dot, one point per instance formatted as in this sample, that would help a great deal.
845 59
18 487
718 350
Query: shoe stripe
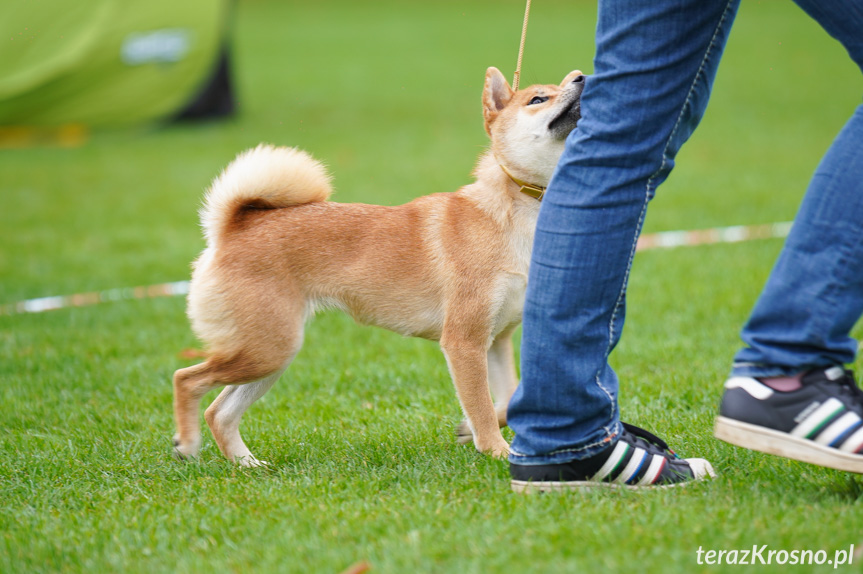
634 465
641 466
813 423
659 472
613 461
838 428
844 436
752 386
854 442
657 463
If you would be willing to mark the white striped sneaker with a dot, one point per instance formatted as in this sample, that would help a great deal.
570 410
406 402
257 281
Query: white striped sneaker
638 459
820 423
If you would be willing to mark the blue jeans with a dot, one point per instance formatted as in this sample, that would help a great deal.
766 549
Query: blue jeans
654 69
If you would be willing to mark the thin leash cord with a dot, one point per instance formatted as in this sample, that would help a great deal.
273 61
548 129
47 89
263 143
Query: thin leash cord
521 48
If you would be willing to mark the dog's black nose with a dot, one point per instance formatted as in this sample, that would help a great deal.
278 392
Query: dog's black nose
578 80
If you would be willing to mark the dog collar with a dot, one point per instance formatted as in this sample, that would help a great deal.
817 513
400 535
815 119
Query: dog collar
534 191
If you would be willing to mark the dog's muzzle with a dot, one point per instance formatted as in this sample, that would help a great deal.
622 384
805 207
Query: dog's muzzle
566 120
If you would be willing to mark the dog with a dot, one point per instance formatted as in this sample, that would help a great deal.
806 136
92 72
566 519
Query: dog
450 267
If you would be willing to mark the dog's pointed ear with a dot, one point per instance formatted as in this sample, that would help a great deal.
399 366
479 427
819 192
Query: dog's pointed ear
570 77
495 96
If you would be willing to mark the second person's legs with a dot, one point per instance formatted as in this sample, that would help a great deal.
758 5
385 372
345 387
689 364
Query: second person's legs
800 327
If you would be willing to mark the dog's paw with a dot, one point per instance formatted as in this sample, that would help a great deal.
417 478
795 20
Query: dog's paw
501 452
250 461
184 452
463 433
182 456
500 449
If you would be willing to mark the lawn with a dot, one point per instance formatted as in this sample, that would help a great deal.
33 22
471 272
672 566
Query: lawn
360 431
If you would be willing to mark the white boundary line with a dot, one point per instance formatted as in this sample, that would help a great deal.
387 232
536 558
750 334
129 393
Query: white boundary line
733 234
85 299
661 240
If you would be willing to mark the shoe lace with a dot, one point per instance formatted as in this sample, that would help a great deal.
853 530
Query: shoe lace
849 388
650 437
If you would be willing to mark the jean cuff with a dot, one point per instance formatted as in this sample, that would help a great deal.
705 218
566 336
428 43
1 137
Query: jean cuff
608 436
759 370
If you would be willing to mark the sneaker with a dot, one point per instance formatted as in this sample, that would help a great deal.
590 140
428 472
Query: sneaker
820 423
638 459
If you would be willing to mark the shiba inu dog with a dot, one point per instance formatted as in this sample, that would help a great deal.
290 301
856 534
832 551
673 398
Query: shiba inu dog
450 267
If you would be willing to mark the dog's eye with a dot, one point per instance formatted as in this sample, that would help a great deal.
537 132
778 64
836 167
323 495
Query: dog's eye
537 100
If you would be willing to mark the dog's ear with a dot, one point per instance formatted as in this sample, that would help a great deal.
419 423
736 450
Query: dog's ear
570 77
495 96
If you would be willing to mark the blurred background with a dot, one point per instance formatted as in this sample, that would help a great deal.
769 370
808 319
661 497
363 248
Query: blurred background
102 63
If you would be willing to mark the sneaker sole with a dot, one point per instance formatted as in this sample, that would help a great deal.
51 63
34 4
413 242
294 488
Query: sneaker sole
530 486
771 441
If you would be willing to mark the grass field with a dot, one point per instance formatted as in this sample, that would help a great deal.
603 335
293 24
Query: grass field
360 431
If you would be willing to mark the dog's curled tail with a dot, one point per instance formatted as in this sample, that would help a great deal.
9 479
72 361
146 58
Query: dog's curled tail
265 177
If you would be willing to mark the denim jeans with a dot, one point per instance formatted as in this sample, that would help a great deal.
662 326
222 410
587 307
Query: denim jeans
653 72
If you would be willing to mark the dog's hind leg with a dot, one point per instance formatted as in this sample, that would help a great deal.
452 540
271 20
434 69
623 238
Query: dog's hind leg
194 382
502 379
190 384
259 348
223 417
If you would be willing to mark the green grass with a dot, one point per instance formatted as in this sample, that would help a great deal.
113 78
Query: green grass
360 431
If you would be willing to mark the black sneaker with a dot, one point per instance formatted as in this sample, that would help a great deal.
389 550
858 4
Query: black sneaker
637 460
820 423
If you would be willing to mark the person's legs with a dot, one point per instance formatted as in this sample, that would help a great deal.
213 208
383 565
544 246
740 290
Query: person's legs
654 70
802 321
815 293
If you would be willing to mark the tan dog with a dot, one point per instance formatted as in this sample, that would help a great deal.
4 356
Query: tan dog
450 267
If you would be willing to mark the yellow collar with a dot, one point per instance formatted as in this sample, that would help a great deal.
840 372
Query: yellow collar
534 191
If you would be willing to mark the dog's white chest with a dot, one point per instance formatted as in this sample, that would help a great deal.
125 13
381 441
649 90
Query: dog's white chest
512 282
511 303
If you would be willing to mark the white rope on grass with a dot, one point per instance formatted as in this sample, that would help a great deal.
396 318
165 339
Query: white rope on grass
661 240
42 304
733 234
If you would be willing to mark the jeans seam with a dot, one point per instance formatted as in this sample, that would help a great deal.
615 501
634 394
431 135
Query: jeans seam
609 435
649 188
647 195
698 74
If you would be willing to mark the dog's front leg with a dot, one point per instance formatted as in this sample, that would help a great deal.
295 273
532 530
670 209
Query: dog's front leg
467 361
502 376
502 379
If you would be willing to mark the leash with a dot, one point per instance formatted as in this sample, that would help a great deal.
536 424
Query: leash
534 191
521 48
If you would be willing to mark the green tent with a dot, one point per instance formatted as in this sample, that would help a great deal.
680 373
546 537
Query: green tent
112 62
